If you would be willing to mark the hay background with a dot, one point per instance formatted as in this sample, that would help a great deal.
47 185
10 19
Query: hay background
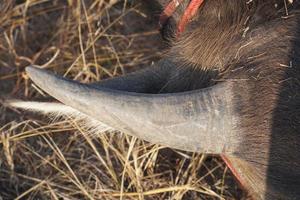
42 158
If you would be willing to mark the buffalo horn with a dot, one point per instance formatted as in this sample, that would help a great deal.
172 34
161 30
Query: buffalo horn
199 120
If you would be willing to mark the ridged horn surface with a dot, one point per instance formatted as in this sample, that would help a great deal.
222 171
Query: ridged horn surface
199 120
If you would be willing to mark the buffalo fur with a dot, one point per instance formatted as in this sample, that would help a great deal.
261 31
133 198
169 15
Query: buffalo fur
254 44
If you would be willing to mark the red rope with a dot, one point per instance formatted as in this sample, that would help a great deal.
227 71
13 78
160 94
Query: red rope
235 173
188 14
190 11
168 11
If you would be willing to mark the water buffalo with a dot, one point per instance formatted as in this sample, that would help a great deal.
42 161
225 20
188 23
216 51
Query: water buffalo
229 85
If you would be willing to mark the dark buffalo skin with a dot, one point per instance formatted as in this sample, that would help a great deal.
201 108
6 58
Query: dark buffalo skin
256 45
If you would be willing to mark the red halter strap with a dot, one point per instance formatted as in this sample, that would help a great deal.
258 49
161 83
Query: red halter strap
168 11
189 12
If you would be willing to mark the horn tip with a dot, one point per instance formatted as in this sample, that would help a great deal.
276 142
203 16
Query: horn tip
31 70
37 74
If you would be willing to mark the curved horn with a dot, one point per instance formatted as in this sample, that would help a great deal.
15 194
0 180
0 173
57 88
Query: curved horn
148 80
199 120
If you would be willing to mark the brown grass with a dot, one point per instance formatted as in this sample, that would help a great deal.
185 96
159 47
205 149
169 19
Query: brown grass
58 159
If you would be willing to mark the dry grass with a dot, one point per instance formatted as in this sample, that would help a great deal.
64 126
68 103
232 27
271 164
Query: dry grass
59 159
